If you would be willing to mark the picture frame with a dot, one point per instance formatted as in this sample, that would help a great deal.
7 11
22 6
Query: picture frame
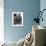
17 18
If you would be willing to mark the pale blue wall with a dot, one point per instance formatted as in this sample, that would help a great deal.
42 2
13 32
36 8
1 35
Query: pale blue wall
29 7
43 6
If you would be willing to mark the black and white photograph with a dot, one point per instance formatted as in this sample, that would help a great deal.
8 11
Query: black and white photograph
17 19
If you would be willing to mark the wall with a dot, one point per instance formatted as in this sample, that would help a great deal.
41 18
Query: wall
43 6
29 7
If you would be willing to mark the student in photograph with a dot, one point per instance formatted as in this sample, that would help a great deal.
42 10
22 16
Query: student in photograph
17 19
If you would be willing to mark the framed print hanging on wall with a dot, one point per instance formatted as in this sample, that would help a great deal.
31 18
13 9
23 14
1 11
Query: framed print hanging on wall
17 18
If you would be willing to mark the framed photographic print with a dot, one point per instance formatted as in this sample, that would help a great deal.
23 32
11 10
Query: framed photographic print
17 18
